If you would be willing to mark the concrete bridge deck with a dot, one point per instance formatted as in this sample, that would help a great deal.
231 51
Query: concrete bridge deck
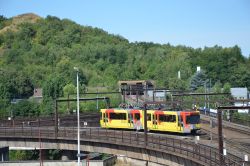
154 148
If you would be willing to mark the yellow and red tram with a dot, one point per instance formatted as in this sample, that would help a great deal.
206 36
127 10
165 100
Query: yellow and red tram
157 120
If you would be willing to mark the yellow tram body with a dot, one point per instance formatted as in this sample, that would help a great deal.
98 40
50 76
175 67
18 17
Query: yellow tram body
157 120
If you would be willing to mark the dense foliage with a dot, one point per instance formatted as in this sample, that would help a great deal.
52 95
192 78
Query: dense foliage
22 155
43 54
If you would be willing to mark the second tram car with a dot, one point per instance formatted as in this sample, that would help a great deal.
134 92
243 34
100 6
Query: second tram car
157 120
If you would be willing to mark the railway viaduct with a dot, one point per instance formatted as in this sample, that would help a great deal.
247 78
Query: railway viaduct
157 149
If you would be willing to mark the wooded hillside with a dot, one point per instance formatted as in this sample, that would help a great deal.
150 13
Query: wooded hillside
41 52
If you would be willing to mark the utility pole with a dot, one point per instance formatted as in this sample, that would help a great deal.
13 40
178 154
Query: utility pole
220 135
97 101
145 126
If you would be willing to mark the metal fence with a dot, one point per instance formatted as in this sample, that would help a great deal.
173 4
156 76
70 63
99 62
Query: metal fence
190 150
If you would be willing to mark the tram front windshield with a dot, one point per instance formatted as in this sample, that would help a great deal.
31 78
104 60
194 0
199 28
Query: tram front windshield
193 119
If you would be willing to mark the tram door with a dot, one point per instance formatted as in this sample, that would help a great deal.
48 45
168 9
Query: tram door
130 121
105 119
179 123
149 121
155 123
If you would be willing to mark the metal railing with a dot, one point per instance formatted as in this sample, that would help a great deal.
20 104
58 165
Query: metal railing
182 148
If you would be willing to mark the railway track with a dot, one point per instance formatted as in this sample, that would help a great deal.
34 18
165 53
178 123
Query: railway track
228 125
236 137
239 148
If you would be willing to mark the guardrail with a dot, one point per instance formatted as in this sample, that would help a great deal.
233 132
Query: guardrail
69 120
178 147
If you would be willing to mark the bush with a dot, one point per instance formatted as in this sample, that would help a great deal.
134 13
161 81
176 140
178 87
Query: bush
26 108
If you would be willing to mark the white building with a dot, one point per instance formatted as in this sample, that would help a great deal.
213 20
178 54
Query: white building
240 94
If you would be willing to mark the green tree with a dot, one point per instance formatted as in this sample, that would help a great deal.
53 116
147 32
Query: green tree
240 76
217 88
15 85
18 155
22 155
26 108
54 154
69 89
177 84
226 88
198 80
53 87
47 106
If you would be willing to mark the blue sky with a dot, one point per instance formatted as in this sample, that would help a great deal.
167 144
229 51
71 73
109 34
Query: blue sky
195 23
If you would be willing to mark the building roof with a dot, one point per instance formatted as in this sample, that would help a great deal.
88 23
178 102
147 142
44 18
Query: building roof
239 92
134 82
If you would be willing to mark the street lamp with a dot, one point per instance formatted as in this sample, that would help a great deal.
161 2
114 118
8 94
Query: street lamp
205 89
78 117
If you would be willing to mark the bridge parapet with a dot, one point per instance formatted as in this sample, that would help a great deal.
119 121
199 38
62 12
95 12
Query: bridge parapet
203 155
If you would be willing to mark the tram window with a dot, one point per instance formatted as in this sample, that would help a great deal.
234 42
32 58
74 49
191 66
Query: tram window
118 116
172 118
163 118
167 118
148 117
193 119
137 116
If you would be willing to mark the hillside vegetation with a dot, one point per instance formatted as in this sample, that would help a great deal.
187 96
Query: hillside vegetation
42 52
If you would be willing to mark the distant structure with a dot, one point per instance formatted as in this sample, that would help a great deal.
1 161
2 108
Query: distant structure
198 69
240 94
136 87
135 92
179 74
38 94
15 101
